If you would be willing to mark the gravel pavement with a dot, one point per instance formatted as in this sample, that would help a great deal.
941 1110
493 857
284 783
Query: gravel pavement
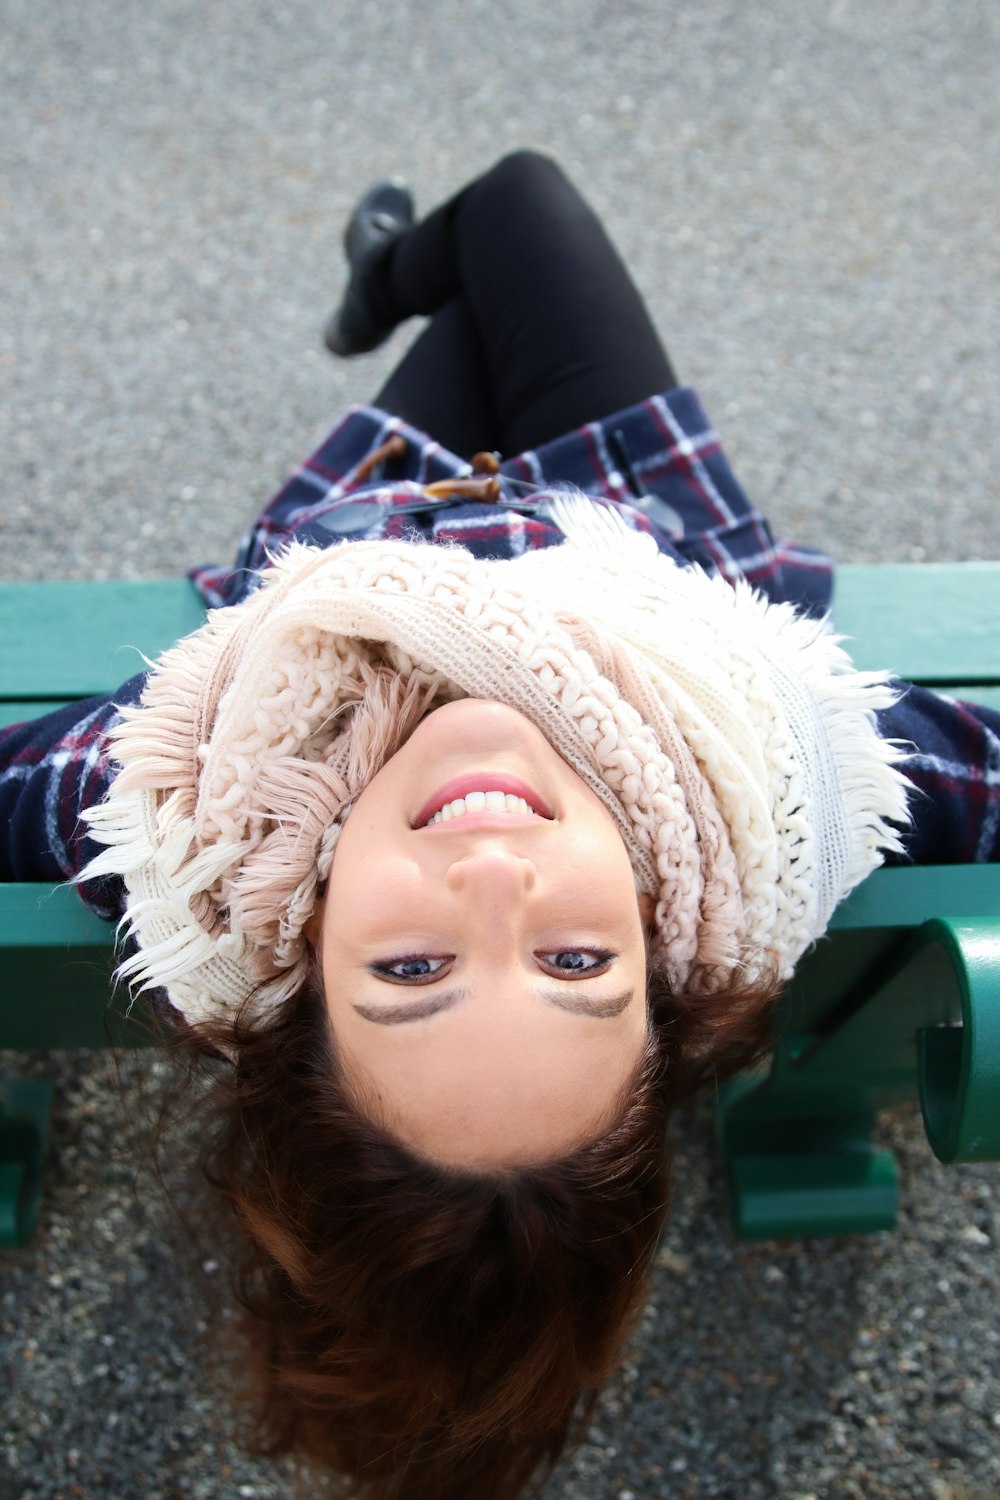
808 196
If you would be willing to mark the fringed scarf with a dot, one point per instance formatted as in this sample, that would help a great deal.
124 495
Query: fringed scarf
730 738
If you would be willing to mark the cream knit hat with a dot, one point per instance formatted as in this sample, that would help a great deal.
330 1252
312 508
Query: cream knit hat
731 739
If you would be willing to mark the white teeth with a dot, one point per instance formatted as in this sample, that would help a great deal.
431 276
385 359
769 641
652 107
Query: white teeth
481 802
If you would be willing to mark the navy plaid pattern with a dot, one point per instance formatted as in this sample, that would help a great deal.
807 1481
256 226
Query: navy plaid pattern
663 448
954 766
50 770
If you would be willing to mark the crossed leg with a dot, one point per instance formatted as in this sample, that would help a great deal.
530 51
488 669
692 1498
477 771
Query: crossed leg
536 326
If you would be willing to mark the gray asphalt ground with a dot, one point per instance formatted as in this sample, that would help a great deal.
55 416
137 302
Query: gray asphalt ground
807 193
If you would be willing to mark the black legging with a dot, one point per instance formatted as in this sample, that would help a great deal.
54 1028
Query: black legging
536 327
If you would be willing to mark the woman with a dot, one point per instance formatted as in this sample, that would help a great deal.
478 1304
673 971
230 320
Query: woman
476 842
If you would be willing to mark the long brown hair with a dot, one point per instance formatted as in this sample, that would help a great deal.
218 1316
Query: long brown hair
434 1333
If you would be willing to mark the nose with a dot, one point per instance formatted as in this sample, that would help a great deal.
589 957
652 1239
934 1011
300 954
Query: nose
491 871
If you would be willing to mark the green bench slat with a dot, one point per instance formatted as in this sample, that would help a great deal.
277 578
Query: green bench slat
56 962
40 915
907 896
934 623
17 710
68 640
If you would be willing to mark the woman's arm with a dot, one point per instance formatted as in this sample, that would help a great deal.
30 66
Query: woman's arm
52 768
954 765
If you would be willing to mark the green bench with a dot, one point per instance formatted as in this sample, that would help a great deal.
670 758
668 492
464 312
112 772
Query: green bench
61 642
901 1001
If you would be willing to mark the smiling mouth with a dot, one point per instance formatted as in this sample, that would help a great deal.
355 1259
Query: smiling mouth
481 792
475 802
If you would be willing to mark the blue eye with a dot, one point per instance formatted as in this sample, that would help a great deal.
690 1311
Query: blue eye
417 969
576 963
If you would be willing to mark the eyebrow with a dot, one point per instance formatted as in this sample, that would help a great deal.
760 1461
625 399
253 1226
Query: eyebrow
596 1006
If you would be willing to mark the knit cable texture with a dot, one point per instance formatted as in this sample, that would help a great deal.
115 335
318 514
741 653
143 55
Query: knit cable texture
731 740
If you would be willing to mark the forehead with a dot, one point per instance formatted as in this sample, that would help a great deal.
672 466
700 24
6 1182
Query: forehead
478 1093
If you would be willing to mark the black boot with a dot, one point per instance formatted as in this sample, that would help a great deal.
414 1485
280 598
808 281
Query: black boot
384 213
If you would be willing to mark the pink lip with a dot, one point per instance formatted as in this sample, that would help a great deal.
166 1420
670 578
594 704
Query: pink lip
479 781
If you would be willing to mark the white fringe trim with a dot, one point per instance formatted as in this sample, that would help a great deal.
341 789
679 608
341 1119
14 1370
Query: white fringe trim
255 735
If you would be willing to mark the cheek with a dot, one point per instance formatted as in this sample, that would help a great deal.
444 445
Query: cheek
370 877
360 851
354 889
598 853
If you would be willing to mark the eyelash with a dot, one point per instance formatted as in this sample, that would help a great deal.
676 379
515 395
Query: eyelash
602 957
602 960
384 970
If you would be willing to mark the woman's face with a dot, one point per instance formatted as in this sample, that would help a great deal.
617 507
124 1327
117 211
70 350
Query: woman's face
485 971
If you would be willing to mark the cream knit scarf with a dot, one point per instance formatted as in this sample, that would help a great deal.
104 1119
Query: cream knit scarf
730 738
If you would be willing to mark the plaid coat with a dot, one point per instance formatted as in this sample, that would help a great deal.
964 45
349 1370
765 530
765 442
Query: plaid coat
659 463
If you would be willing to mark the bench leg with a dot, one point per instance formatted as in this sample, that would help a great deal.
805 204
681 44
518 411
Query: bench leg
792 1173
24 1132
